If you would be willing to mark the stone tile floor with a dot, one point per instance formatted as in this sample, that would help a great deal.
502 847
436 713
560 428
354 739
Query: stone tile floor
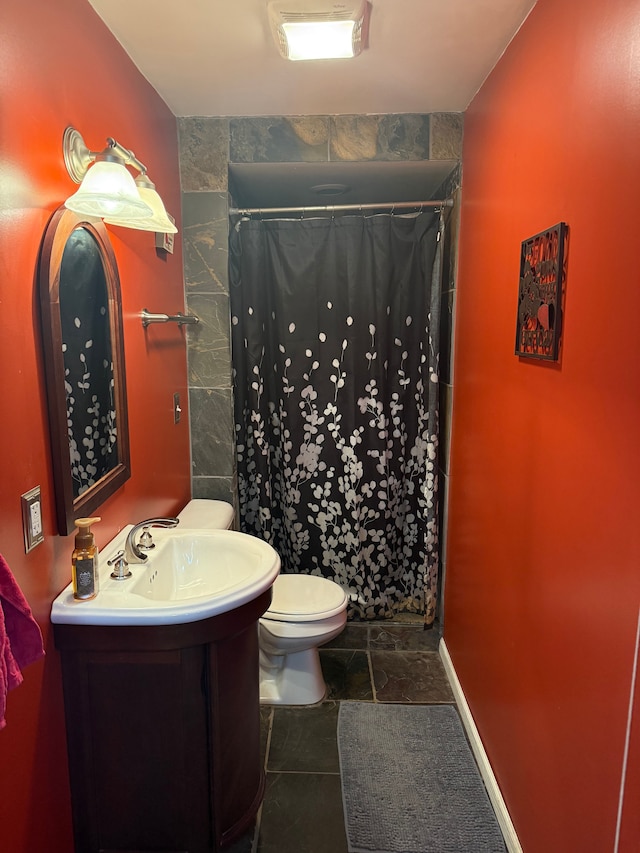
368 662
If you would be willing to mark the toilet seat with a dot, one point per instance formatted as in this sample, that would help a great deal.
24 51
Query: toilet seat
305 598
309 631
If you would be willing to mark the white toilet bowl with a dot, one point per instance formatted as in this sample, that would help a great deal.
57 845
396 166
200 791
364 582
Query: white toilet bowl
306 611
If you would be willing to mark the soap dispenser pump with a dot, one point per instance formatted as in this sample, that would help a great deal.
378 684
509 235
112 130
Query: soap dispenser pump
84 561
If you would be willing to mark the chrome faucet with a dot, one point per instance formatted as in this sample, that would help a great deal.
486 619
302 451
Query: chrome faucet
132 551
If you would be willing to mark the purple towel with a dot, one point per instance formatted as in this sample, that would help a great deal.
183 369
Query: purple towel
20 635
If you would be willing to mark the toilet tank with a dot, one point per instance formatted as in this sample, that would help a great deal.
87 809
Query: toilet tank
212 515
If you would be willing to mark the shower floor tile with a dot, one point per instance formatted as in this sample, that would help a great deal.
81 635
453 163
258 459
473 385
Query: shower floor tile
346 674
304 740
410 677
401 638
302 813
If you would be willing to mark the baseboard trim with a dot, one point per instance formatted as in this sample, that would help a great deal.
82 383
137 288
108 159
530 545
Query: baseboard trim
486 771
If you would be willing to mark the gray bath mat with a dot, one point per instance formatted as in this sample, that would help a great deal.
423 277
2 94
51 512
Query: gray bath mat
410 783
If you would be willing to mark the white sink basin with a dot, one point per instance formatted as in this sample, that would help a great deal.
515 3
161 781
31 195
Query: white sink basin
189 575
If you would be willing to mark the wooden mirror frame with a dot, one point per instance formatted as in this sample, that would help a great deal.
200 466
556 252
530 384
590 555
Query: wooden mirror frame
63 223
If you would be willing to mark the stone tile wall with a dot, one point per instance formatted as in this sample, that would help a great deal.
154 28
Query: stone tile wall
207 146
204 159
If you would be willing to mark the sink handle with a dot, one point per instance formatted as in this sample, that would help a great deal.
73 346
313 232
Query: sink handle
133 553
121 567
146 543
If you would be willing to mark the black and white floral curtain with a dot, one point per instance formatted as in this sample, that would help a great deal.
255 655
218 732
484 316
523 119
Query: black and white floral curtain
335 354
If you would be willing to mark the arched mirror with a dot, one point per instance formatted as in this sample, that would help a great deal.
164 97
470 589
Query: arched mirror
84 365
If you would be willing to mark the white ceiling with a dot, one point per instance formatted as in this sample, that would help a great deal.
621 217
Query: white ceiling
218 58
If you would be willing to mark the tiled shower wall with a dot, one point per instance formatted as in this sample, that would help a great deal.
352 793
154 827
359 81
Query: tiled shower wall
207 146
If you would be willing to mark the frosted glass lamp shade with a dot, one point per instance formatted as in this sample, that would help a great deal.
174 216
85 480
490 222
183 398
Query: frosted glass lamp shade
157 220
108 190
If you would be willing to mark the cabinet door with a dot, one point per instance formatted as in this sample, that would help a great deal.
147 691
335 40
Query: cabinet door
137 729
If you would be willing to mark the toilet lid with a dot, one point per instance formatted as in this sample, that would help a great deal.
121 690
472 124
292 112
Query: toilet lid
305 598
208 514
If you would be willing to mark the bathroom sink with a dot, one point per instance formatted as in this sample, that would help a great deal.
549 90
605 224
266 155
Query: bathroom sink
191 574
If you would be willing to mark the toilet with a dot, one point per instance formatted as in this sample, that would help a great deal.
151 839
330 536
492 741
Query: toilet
306 611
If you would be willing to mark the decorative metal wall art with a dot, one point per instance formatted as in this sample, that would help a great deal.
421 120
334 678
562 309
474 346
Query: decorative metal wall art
542 273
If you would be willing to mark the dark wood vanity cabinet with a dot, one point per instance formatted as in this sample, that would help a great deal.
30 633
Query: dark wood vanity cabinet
163 732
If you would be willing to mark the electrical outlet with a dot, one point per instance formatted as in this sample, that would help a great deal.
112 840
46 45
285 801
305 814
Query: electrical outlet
32 519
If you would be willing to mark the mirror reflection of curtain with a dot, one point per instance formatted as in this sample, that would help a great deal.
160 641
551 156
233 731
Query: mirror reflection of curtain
335 352
88 361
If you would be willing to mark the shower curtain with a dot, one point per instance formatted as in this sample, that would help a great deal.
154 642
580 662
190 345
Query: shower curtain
335 327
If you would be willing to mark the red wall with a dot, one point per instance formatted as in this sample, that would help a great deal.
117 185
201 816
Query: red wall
543 561
59 66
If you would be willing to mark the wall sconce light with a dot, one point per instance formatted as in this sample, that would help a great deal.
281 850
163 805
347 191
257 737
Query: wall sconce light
107 188
158 220
319 29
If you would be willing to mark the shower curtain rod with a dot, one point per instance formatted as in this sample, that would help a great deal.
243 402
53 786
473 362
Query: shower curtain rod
331 208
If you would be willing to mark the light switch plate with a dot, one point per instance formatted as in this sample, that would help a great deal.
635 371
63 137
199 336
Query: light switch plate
32 519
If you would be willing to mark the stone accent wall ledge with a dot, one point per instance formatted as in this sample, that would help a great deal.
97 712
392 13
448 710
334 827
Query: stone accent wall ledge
314 139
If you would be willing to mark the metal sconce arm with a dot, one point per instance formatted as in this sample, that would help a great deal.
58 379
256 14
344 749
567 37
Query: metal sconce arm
78 157
129 157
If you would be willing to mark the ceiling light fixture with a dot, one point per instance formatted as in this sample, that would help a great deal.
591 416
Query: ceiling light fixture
319 29
107 188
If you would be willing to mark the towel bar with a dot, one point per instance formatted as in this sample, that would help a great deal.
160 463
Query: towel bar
181 319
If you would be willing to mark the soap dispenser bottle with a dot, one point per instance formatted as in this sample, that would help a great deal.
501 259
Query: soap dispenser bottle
84 561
